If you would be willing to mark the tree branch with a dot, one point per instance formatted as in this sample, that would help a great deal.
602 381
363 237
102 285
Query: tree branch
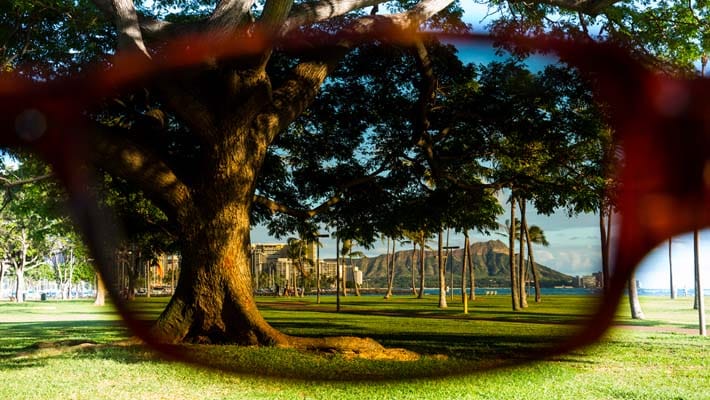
589 7
228 15
275 206
142 168
311 12
123 13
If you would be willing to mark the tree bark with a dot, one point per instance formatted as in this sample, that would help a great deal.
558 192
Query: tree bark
442 272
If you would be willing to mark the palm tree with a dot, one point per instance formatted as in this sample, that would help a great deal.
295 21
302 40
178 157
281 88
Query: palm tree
535 234
296 252
347 250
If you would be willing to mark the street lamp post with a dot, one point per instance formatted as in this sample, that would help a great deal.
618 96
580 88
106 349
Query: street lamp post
318 236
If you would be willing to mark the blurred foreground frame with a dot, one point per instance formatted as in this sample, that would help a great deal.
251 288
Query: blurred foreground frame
662 125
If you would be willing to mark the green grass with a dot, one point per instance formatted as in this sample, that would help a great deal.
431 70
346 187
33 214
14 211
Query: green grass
627 364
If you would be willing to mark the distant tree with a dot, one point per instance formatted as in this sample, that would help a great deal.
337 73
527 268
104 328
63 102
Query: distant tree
670 267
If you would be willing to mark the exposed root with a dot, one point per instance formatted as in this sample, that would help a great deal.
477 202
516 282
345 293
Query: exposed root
60 347
353 347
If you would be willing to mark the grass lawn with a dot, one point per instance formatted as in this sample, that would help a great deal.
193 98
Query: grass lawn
651 359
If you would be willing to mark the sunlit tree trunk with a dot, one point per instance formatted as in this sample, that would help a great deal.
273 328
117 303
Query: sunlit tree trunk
515 297
636 312
100 298
604 237
699 293
390 269
442 272
522 274
471 276
421 270
670 268
464 267
414 254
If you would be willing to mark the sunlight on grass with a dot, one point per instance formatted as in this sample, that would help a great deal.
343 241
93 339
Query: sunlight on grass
627 364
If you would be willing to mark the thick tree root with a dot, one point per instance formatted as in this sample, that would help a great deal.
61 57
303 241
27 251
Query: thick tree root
59 347
352 347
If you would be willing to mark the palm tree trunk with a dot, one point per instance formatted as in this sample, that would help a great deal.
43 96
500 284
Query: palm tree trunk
533 267
390 276
511 254
422 245
414 254
636 312
605 249
471 277
521 260
464 264
337 273
442 273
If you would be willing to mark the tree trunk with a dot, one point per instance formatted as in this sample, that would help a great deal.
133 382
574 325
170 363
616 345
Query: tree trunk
100 298
670 268
421 270
390 269
533 267
19 283
464 264
218 305
337 274
522 273
511 254
699 294
636 312
414 254
603 234
355 285
3 268
442 272
471 276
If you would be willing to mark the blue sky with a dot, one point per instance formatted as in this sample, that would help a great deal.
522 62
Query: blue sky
574 242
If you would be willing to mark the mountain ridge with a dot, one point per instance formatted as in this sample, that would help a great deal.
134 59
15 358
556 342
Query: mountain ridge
490 260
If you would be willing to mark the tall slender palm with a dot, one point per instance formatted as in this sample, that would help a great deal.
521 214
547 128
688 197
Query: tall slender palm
536 235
